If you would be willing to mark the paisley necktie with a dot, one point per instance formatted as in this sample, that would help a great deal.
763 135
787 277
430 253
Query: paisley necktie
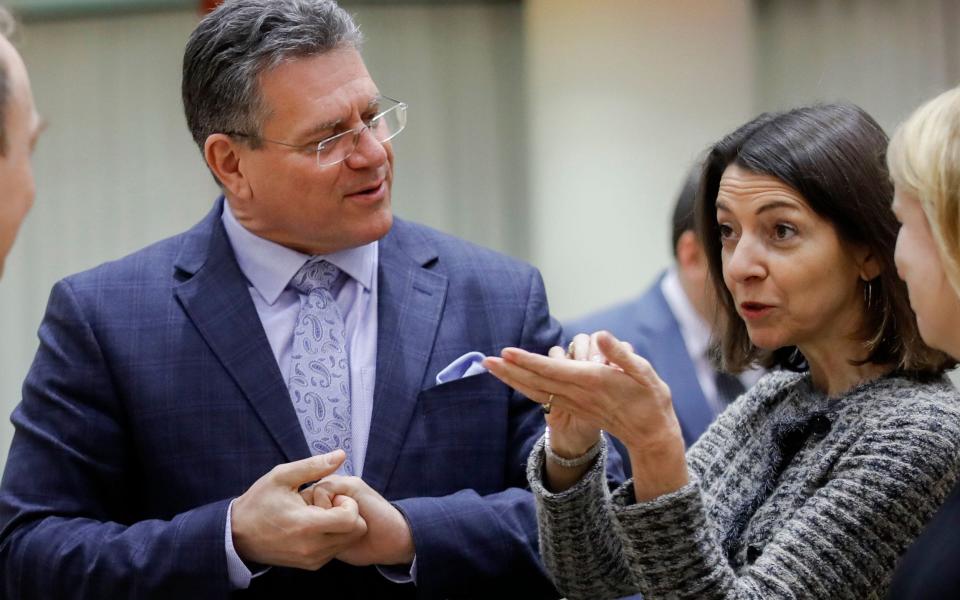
319 378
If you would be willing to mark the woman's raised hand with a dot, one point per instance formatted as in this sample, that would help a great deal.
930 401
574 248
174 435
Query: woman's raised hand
608 387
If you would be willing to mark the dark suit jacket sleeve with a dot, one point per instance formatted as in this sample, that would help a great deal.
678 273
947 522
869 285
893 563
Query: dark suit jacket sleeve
68 521
466 542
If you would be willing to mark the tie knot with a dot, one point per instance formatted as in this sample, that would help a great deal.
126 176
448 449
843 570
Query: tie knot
316 273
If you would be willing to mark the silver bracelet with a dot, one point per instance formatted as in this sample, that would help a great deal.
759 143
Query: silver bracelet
569 463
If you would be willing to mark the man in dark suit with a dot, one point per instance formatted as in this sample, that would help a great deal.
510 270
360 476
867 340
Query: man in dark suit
20 127
669 325
163 443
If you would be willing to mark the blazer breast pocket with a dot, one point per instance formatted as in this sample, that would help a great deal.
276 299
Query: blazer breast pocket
458 436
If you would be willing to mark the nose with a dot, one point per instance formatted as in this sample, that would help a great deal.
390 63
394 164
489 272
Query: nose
369 152
745 261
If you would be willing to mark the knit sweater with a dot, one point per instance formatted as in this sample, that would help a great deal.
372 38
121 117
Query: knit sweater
791 494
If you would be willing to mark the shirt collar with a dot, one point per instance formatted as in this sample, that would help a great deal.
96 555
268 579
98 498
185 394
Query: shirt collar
695 331
269 266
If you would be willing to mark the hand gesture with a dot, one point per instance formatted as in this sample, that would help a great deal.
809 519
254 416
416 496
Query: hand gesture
272 524
620 393
388 540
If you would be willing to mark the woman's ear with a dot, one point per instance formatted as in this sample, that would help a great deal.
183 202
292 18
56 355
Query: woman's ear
870 267
223 156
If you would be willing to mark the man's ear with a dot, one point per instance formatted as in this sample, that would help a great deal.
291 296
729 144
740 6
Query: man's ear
222 154
689 252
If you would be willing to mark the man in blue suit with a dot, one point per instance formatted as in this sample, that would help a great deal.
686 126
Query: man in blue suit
669 325
185 399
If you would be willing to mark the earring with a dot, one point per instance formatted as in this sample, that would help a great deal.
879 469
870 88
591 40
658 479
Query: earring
868 293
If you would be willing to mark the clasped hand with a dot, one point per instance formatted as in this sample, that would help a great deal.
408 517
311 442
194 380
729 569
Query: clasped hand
276 523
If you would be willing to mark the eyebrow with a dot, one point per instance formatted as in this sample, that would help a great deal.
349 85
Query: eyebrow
318 129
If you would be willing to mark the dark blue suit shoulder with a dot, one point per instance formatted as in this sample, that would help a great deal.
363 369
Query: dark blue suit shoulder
149 264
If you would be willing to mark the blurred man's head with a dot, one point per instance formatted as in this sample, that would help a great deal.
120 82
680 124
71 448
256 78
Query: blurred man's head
19 129
291 123
691 261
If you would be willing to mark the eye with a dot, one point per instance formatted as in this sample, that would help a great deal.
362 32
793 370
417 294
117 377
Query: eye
323 140
783 231
371 115
727 233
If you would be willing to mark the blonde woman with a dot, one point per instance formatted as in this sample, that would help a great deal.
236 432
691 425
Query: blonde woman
924 161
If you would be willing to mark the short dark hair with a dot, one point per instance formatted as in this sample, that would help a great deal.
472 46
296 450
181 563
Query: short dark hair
7 25
240 40
683 210
833 155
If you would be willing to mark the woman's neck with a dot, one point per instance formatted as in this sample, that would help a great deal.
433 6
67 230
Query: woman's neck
831 371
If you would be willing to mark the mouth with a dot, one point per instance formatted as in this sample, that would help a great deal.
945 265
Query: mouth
374 192
754 310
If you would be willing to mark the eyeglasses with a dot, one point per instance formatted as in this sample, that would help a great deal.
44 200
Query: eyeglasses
384 126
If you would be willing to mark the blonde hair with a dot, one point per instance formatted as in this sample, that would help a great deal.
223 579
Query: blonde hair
924 161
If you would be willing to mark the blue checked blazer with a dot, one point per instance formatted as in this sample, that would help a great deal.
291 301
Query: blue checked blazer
154 399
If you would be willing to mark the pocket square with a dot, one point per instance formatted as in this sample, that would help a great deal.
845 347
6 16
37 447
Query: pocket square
467 365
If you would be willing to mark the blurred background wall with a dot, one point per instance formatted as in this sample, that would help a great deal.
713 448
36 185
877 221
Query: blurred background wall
557 131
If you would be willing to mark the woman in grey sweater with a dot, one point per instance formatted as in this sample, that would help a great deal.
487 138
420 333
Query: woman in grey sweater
811 484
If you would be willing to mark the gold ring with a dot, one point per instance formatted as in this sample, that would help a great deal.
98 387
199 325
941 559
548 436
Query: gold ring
547 405
570 349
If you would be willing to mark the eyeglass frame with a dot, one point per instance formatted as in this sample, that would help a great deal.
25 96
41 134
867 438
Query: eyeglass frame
316 147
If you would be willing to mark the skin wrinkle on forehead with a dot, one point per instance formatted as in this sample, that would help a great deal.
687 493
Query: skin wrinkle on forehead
772 204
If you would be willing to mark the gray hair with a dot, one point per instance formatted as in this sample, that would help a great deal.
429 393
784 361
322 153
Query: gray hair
7 25
240 40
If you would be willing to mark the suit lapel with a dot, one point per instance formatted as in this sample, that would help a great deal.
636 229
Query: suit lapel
669 354
216 298
410 303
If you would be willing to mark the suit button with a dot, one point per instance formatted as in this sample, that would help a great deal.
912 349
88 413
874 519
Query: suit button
753 553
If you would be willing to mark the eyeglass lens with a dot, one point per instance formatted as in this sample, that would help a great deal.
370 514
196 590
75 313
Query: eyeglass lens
383 127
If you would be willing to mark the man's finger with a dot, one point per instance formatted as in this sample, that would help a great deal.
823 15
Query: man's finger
337 485
343 517
297 473
317 496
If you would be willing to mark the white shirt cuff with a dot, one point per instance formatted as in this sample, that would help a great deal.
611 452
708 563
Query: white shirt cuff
398 574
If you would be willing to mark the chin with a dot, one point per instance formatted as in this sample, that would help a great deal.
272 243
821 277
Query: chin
767 340
381 223
374 228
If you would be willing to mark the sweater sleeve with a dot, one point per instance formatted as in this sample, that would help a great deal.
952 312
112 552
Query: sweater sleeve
579 544
842 542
